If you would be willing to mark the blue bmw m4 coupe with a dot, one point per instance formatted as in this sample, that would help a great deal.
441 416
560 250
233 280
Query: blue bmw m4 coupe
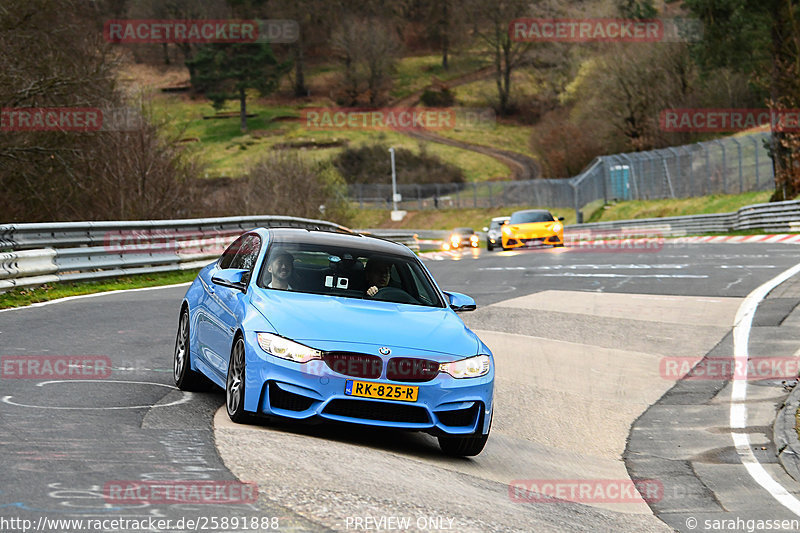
308 324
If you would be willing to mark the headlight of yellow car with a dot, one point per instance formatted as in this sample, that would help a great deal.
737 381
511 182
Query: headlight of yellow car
557 227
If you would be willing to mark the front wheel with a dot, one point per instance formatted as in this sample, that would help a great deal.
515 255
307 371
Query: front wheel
234 384
489 246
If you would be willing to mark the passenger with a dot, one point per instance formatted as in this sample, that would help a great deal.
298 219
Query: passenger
281 267
378 273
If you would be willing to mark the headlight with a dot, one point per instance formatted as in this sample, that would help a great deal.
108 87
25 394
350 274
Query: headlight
286 349
474 238
472 367
557 226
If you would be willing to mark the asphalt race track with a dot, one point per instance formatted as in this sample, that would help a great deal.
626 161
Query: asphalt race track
580 339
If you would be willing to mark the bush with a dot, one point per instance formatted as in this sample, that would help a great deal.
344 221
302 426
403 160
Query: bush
443 98
371 164
284 184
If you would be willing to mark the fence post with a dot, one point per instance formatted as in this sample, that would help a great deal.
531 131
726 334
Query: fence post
724 166
419 196
578 217
707 183
739 152
755 152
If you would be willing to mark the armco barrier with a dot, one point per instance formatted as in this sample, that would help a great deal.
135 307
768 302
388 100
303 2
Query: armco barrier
35 254
778 217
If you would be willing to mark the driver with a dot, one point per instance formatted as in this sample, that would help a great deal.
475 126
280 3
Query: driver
281 266
377 273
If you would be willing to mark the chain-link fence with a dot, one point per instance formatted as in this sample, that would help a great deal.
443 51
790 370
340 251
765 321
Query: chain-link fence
723 166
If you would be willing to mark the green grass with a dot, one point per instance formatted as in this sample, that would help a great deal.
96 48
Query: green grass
676 207
26 296
515 138
416 72
229 152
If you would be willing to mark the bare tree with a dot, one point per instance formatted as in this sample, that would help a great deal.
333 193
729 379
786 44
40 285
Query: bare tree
491 21
368 58
284 184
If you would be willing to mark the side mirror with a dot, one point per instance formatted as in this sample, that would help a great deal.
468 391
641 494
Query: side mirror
460 302
560 218
235 278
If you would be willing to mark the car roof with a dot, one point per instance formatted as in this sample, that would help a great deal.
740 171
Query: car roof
330 238
532 211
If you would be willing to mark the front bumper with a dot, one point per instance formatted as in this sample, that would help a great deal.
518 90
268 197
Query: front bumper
531 238
307 391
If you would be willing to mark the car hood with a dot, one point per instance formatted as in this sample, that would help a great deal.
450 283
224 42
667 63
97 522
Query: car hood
532 226
332 322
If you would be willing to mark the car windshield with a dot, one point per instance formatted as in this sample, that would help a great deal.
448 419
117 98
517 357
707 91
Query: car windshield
464 231
348 273
495 224
526 217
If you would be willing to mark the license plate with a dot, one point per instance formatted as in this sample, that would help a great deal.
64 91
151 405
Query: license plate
381 391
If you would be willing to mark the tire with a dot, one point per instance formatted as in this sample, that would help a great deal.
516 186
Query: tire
489 246
186 379
467 446
234 384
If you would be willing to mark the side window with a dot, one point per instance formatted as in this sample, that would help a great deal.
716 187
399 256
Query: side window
247 254
230 252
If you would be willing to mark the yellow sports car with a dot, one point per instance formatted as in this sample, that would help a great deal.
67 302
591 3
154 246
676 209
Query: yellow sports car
532 227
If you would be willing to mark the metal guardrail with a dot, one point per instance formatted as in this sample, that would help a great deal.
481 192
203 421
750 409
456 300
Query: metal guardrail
35 254
778 216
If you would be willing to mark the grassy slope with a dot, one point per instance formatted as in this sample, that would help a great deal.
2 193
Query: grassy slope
677 207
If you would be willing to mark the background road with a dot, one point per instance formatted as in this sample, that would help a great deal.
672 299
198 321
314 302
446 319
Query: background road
577 335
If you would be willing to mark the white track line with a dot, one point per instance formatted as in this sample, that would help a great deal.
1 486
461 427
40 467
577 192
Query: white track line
738 415
94 295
